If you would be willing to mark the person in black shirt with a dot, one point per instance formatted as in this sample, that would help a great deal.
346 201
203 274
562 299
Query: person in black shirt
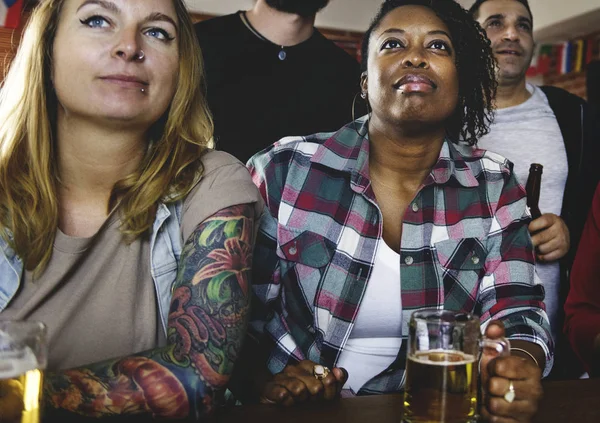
271 74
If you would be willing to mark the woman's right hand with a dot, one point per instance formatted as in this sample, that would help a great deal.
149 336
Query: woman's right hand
297 384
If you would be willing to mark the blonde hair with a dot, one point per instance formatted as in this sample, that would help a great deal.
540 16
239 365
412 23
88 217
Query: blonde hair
28 173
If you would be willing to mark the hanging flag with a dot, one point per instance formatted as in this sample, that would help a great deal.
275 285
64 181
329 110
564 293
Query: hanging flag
10 13
566 61
545 59
534 64
579 50
589 54
558 53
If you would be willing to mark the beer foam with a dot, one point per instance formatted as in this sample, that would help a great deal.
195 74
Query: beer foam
422 357
16 363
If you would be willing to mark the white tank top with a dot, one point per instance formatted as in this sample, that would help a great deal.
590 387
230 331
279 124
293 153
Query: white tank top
377 333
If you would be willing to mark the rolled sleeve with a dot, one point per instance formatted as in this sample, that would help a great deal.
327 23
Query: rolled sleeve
511 291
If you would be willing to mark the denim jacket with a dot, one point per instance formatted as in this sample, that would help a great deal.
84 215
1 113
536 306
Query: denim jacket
166 244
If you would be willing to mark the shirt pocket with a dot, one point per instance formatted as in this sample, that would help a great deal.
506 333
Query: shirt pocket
462 265
304 247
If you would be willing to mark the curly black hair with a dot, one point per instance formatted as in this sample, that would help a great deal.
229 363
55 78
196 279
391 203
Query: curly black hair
475 65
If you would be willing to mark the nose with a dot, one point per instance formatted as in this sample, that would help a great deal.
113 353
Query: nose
128 46
415 58
510 34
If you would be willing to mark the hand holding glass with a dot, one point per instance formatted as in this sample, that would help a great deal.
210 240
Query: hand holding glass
442 366
22 362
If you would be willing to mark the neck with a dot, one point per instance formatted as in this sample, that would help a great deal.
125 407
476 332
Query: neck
511 93
92 158
284 29
403 155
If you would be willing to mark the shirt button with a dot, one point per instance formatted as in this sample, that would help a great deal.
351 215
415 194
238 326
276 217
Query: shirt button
415 207
475 259
408 260
293 250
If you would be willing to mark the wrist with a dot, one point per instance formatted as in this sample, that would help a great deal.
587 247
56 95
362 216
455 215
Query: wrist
520 352
529 351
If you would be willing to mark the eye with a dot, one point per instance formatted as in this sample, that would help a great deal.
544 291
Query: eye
439 45
95 21
525 27
391 44
494 23
159 33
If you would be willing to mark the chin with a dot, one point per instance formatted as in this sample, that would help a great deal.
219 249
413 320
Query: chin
511 74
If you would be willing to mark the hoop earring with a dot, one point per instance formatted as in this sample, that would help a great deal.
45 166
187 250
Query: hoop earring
354 114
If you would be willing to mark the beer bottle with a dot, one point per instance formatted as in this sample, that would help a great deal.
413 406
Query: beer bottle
534 183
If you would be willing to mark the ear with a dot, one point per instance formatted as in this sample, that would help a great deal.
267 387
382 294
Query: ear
364 79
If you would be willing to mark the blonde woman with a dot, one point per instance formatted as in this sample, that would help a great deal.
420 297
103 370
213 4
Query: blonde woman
120 229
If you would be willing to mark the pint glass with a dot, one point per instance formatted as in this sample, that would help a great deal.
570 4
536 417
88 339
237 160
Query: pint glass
442 366
23 359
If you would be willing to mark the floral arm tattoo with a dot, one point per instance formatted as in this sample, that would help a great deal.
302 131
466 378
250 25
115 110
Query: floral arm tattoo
207 323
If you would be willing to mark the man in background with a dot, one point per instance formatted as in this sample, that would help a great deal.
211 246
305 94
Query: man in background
545 125
271 74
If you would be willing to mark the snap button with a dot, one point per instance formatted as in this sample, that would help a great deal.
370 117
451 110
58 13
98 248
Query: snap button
293 250
408 260
475 259
415 207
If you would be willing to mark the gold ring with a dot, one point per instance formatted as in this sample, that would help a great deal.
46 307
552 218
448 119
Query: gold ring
510 394
320 372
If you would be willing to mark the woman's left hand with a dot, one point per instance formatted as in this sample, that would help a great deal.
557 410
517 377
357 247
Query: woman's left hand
525 376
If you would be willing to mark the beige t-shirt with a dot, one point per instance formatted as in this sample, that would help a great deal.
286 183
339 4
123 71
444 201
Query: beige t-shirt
97 296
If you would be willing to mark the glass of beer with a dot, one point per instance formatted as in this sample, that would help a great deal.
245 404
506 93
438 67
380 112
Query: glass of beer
23 357
442 366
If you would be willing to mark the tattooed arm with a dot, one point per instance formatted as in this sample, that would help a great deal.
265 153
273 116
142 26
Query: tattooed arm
207 323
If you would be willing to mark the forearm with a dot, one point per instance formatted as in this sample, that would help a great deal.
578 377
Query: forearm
185 379
151 382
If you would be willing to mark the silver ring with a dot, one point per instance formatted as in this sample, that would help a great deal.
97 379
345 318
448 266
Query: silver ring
510 395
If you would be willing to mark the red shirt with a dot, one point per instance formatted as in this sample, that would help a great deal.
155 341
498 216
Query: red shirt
582 308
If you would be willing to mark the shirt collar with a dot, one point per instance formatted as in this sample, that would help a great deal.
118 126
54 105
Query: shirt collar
347 150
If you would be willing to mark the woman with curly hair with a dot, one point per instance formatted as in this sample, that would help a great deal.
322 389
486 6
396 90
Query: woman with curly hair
120 229
390 215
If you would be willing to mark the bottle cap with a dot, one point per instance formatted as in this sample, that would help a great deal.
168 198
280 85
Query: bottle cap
537 167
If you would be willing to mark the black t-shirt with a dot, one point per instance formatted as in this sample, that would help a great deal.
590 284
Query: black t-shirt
256 98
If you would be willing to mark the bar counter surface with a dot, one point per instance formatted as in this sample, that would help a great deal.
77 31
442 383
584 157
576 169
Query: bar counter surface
572 401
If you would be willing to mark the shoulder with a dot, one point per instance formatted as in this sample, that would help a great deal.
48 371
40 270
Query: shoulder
484 161
335 54
559 97
288 150
214 160
216 26
225 182
224 176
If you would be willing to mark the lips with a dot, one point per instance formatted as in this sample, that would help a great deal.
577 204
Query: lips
513 50
126 81
510 52
415 83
